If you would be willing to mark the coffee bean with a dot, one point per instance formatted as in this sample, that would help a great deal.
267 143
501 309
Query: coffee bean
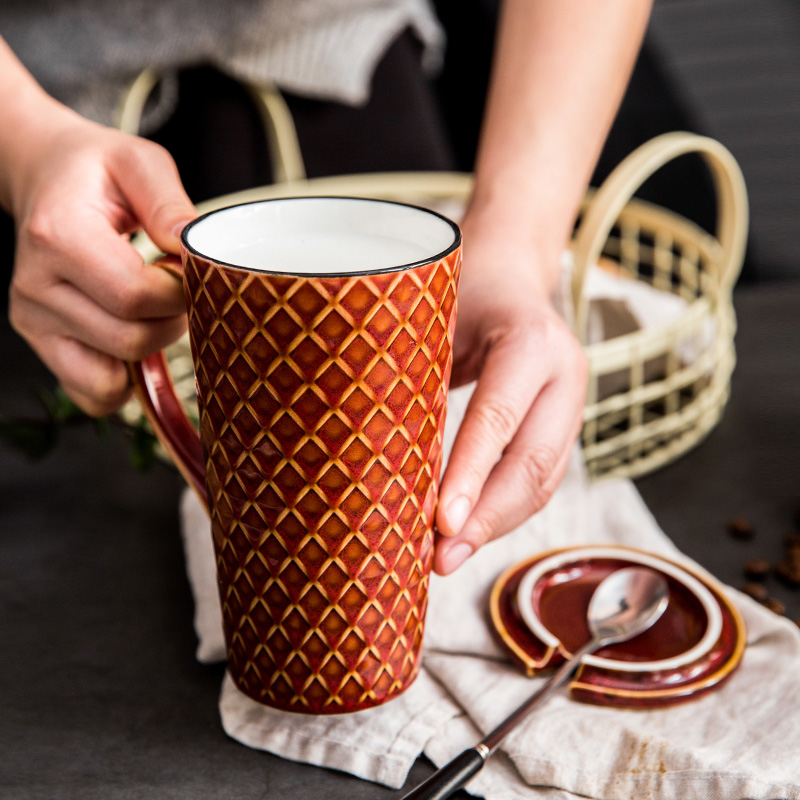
741 528
757 591
773 604
789 573
757 569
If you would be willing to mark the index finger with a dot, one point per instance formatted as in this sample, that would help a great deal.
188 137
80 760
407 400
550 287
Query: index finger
499 404
105 267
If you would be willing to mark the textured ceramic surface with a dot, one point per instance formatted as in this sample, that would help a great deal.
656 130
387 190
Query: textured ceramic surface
322 402
645 672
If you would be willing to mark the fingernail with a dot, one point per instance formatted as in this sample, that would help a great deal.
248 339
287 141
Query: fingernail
456 556
457 512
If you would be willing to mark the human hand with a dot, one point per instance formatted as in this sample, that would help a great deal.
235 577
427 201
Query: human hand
80 294
514 443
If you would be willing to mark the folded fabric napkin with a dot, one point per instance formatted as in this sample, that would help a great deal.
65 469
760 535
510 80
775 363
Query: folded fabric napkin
740 741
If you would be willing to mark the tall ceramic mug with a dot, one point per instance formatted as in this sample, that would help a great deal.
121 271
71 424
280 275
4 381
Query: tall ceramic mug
321 332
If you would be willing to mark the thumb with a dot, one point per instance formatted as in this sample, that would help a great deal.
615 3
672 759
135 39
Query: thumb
148 177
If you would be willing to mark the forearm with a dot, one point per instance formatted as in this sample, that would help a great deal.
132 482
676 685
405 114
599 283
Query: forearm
560 71
29 115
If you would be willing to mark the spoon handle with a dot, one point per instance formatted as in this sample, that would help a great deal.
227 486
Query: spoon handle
453 775
492 739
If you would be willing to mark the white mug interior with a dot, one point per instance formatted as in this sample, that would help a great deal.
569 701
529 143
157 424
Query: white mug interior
319 236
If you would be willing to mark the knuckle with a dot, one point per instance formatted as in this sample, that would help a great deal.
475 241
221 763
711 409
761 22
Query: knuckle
97 407
97 383
89 405
537 465
24 286
18 290
40 229
130 299
498 419
21 317
150 149
136 153
131 342
109 389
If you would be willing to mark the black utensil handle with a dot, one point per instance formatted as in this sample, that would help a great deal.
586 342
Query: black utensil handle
450 777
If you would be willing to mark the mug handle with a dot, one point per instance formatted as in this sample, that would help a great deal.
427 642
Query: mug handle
156 393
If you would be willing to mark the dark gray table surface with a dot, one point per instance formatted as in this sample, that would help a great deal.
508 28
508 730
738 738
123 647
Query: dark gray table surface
100 694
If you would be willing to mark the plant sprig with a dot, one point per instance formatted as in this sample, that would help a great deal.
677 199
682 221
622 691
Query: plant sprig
37 437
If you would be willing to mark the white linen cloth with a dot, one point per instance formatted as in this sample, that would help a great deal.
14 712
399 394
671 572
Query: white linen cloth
741 741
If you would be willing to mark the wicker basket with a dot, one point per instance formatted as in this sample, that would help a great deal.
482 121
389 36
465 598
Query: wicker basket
651 421
655 420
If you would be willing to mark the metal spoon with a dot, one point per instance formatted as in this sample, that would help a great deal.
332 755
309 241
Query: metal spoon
625 603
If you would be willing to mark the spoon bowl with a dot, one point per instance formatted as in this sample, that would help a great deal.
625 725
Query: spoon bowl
625 603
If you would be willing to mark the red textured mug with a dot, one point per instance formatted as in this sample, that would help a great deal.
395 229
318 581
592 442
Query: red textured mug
321 332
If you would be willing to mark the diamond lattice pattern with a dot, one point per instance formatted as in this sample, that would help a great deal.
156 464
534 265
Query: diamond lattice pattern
322 403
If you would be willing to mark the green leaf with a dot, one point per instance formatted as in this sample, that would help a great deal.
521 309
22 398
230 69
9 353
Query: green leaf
65 409
59 407
143 448
33 438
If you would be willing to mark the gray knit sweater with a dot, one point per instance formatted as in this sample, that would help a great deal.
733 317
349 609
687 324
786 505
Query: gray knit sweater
86 52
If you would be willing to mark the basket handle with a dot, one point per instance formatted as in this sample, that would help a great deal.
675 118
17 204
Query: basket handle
283 145
620 186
